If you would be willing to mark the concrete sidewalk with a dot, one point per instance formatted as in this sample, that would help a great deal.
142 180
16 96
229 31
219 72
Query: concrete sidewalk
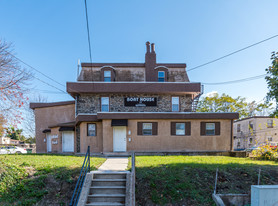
114 164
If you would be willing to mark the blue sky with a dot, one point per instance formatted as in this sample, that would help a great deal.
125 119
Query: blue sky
51 36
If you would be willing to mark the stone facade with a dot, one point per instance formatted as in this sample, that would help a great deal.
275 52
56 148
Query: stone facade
90 104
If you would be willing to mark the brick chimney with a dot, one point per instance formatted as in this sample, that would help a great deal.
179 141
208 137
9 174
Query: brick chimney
150 62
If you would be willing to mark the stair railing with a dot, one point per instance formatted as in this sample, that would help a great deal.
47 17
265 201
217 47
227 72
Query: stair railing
78 187
133 178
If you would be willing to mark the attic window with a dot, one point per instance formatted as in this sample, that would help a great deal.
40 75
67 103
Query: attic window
161 76
107 76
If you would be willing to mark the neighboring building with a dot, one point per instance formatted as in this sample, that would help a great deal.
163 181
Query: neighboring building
123 107
255 131
5 140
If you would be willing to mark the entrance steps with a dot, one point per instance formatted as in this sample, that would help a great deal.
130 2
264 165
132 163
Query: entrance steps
108 188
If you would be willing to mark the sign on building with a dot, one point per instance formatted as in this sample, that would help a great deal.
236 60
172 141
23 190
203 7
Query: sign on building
140 101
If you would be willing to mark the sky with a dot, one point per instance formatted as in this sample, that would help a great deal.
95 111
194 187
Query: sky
51 36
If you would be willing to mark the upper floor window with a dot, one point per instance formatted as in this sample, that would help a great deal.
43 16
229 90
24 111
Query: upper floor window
210 128
251 126
161 76
105 104
269 123
238 128
107 76
175 104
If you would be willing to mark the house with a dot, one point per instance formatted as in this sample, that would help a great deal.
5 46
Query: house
255 131
122 107
5 140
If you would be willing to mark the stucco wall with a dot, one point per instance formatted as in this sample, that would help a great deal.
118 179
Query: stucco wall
95 142
48 116
91 103
164 141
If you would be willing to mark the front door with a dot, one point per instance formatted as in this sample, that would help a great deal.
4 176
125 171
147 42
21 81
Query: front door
49 143
119 139
68 141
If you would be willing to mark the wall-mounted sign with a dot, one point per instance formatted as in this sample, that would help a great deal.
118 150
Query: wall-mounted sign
54 142
140 101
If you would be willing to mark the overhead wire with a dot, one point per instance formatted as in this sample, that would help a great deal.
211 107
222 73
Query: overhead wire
232 53
35 69
88 31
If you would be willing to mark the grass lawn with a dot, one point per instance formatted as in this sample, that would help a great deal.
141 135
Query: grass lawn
189 180
41 179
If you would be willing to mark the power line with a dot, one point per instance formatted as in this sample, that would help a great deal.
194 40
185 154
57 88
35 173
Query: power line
236 81
88 31
227 55
35 69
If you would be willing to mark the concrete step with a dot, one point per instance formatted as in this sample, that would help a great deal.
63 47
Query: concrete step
109 176
119 198
107 190
105 204
108 182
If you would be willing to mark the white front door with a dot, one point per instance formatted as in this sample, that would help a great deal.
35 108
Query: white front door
119 139
49 143
68 141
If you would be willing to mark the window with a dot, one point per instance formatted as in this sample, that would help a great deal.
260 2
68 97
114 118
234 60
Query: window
238 144
107 76
161 76
238 128
147 128
269 139
105 104
180 128
250 140
91 129
210 128
251 126
175 104
269 123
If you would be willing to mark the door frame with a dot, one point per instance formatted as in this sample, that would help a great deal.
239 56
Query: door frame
114 128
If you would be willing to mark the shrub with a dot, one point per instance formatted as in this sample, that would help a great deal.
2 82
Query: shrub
266 152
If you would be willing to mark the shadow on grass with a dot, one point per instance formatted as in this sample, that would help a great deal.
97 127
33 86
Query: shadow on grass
24 185
193 183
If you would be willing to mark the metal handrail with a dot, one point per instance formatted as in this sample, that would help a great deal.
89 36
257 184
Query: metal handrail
78 187
133 178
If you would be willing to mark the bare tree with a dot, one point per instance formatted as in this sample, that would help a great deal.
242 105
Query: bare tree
13 85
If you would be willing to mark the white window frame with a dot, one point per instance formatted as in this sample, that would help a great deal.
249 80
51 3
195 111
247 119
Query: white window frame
181 131
107 76
175 102
147 131
209 129
104 100
271 123
163 76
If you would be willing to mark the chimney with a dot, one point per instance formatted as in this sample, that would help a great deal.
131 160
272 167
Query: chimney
153 50
148 46
150 62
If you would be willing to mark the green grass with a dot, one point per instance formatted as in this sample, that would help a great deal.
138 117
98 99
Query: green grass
28 179
189 180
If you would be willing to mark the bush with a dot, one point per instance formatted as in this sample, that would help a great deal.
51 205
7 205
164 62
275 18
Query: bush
266 152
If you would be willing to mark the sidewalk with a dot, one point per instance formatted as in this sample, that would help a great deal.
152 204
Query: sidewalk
114 164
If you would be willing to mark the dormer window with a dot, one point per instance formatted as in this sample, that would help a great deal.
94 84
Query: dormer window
161 76
107 76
